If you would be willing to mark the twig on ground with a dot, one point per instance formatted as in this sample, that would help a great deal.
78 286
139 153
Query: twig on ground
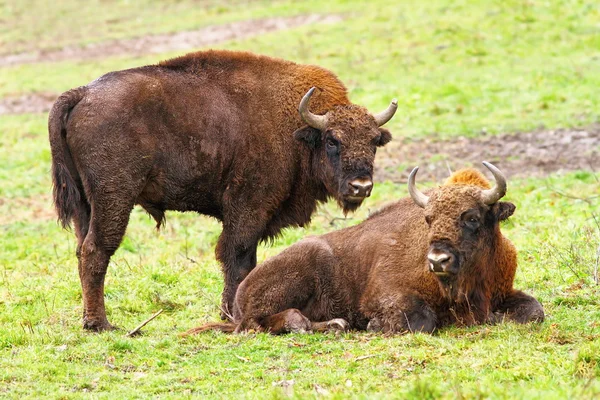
364 357
140 326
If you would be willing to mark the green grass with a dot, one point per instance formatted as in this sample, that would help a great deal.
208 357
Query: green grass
32 25
456 68
43 350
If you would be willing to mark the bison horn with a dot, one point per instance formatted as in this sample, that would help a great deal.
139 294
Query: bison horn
316 121
387 114
490 196
419 198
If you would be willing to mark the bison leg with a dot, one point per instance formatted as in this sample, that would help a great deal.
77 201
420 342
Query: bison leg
333 325
106 229
519 307
81 221
288 321
291 321
237 261
403 314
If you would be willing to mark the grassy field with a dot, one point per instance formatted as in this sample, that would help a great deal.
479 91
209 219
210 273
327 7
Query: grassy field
457 68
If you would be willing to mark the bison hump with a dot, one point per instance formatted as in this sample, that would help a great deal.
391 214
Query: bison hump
468 176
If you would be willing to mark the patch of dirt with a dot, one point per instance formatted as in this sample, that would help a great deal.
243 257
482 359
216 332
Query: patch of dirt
37 208
522 154
27 103
167 42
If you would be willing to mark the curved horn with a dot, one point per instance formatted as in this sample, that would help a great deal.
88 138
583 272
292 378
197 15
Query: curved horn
386 115
419 198
316 121
490 196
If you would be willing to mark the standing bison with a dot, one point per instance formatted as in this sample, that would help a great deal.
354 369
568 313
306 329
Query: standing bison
416 265
214 132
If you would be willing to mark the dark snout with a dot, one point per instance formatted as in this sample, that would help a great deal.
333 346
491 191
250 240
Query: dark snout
442 260
357 189
360 187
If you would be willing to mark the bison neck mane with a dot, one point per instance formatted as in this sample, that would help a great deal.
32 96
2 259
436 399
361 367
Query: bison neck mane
468 176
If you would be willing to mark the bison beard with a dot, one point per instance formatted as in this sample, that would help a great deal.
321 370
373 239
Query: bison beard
422 263
214 132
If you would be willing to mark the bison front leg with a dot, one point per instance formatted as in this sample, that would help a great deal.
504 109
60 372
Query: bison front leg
237 259
518 307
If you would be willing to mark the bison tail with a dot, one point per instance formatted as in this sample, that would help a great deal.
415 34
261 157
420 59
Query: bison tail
226 327
65 191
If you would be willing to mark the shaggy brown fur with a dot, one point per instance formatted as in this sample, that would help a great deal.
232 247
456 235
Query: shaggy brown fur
215 132
375 275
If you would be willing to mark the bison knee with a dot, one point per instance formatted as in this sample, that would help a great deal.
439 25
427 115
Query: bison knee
419 318
375 325
422 320
521 308
530 312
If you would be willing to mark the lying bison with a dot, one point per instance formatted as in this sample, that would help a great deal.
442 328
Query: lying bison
416 265
215 132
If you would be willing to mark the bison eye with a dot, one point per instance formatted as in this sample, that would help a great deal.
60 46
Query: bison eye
470 220
331 144
472 223
428 219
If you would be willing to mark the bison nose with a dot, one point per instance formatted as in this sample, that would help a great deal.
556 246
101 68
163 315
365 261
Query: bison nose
361 187
439 261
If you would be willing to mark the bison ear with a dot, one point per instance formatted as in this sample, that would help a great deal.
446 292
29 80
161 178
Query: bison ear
503 209
311 136
385 137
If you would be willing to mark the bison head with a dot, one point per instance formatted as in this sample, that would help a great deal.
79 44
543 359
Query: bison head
344 142
463 219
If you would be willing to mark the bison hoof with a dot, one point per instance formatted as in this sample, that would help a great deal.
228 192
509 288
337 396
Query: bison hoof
98 326
225 317
537 316
338 325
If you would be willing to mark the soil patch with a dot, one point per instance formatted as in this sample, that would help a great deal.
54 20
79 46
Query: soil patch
36 208
522 154
167 42
27 103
